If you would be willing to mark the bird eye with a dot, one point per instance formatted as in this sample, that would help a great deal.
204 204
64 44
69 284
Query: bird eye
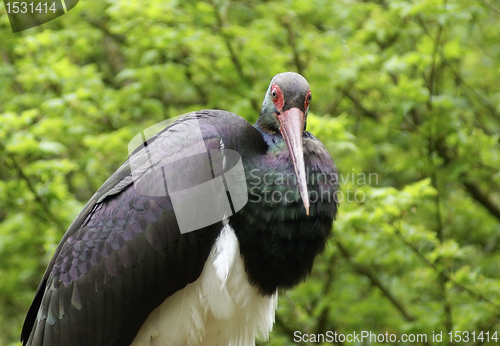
309 98
274 94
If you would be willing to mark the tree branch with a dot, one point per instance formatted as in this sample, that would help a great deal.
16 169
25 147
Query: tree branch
104 28
474 190
376 282
6 61
433 66
291 40
202 94
482 198
221 24
484 101
359 105
476 295
448 320
47 213
491 6
321 325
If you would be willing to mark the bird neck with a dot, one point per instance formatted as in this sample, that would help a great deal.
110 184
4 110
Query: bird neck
267 122
274 140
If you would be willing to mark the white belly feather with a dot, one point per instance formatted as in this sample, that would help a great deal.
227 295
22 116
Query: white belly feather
219 309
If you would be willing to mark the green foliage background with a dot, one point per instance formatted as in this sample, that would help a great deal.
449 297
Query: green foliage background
407 90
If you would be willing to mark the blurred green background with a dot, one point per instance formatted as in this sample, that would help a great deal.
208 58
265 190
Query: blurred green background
405 92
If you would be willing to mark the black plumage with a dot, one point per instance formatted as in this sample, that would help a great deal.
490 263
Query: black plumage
124 255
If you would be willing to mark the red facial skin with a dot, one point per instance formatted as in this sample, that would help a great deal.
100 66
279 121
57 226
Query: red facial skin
278 99
308 99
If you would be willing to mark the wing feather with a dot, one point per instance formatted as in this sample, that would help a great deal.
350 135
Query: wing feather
123 255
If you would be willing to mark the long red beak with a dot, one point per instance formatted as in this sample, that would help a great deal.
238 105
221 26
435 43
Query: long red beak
291 128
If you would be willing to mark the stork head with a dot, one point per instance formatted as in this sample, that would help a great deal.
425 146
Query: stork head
284 111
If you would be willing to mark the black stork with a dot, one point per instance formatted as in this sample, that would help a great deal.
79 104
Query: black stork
125 274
